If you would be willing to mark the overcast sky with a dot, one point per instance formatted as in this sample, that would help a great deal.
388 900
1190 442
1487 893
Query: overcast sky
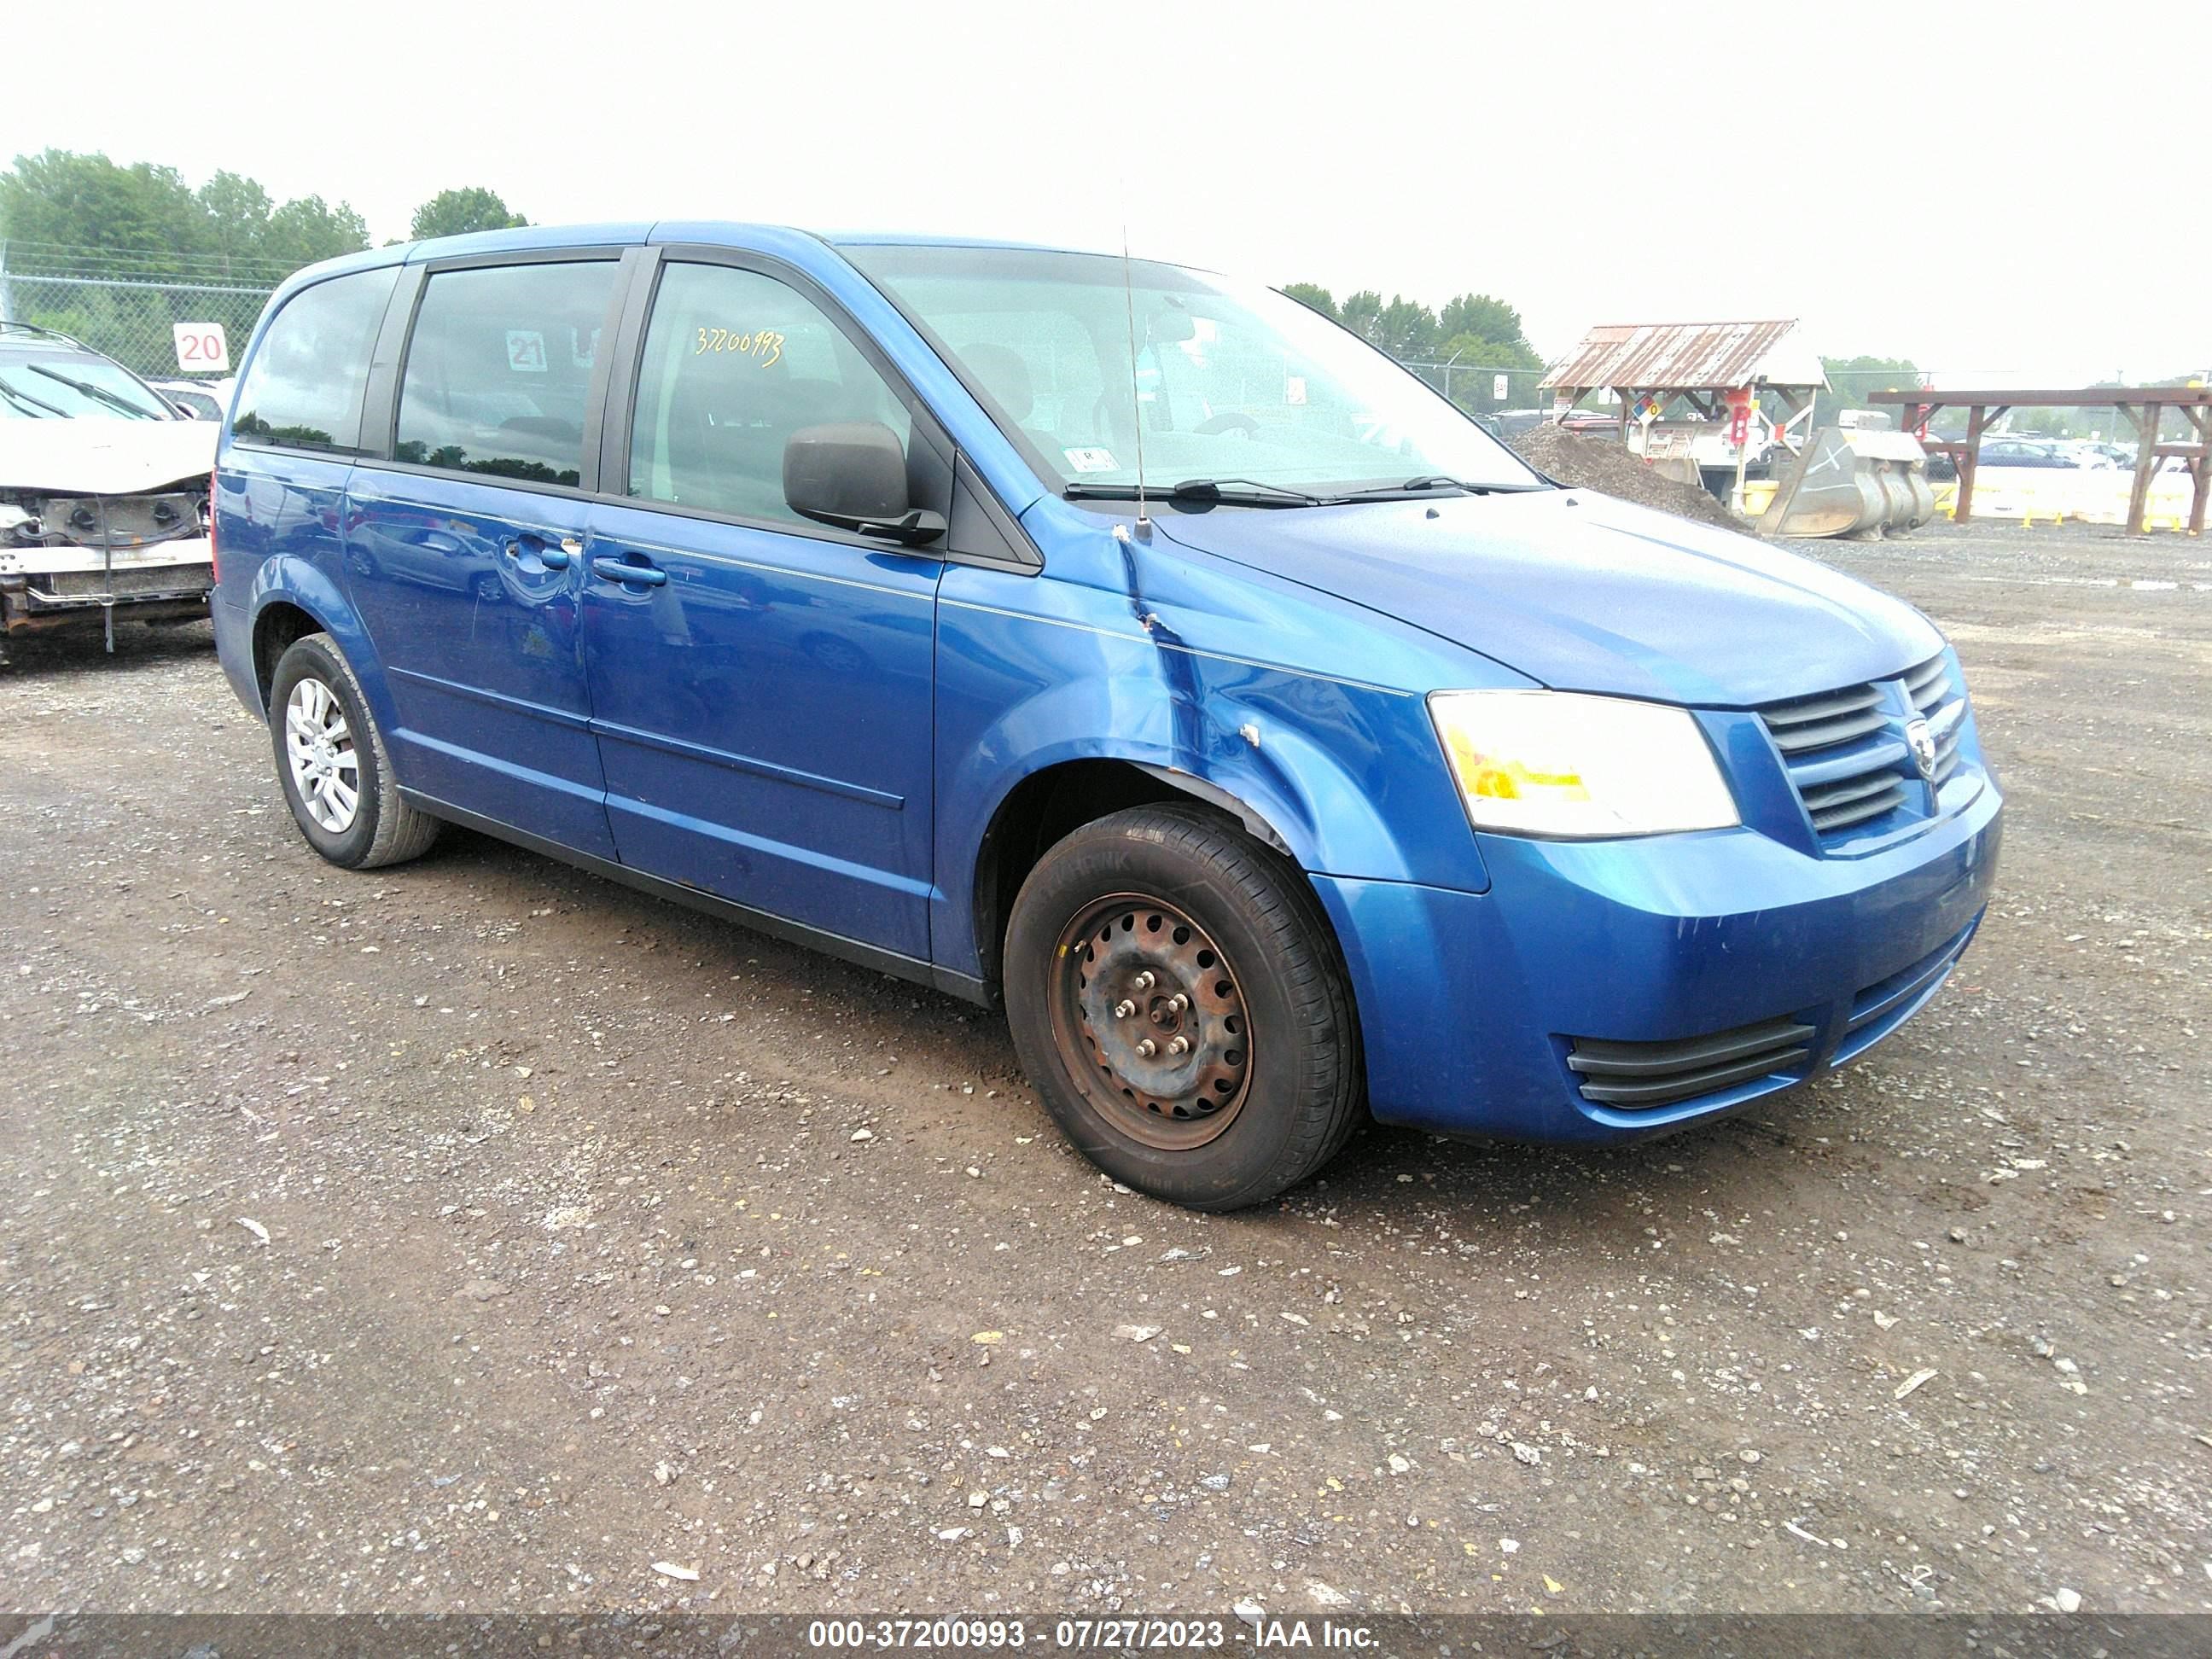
2014 187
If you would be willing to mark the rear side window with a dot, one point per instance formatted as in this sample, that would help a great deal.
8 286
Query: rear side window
734 363
499 369
303 388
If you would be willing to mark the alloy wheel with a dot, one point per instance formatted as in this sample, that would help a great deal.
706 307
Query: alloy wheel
320 745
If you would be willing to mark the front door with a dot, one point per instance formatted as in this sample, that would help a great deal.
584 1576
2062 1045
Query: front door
760 684
466 555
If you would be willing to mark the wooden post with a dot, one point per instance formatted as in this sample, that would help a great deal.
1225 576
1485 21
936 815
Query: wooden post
2201 473
1791 406
1977 418
2145 425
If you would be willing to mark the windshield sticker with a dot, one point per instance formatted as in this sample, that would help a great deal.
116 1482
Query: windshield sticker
583 348
1294 389
764 346
526 351
1091 460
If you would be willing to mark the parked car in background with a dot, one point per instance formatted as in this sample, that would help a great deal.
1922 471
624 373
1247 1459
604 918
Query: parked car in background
203 400
1326 759
2043 453
103 491
2094 457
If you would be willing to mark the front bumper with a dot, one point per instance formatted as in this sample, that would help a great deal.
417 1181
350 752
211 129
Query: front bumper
1470 1004
54 588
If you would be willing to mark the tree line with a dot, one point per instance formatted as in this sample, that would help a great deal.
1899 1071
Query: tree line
1475 328
65 212
86 215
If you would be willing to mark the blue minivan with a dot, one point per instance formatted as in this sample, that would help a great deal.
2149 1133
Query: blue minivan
1107 639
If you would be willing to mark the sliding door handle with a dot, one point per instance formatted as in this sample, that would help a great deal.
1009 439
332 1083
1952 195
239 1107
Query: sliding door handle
624 570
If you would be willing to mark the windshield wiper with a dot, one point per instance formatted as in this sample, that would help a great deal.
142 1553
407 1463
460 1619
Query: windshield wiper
1431 484
98 392
24 399
1239 492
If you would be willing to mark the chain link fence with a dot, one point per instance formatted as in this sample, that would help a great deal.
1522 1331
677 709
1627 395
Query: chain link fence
1484 388
131 319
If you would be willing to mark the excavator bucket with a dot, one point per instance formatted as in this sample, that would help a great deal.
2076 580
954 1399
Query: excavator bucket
1852 482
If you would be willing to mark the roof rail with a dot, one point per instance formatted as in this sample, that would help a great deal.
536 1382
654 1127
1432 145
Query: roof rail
7 325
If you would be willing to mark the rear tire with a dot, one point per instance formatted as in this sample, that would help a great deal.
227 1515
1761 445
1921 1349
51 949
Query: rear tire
332 761
1167 925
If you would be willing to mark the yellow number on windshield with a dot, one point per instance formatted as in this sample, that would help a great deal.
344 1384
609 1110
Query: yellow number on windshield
763 346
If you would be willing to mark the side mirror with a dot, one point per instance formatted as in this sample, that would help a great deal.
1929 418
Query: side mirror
852 474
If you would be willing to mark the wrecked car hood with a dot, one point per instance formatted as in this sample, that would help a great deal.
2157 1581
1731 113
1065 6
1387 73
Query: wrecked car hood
1584 592
105 457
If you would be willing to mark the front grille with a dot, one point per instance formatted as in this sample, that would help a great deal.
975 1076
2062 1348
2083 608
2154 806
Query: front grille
1929 686
1845 751
1844 754
1646 1074
1826 721
1931 690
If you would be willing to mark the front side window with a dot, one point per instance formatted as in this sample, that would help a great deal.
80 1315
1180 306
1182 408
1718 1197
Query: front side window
734 363
1081 355
303 388
499 369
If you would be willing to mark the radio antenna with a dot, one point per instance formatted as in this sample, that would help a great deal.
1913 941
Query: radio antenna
1136 399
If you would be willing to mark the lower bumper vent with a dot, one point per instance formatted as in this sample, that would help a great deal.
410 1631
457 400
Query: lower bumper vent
1882 1007
123 582
1640 1074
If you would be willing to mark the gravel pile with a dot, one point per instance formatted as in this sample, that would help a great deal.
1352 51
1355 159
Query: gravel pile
1602 465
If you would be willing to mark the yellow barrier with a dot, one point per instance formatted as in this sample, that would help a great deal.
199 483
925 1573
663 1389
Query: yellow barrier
2097 498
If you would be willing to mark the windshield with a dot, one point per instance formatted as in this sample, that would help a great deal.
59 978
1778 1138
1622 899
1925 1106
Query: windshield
61 385
1230 382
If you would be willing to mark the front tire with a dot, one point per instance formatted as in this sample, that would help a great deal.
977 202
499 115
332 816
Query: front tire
1177 999
332 761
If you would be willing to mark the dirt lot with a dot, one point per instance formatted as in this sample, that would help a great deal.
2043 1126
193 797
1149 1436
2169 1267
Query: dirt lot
577 1258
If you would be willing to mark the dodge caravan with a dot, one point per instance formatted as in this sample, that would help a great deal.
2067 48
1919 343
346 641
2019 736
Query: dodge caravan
1102 639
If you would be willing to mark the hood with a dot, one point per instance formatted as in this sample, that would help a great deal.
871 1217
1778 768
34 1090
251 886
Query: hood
1584 592
105 457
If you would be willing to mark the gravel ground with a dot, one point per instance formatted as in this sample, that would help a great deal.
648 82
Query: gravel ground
478 1233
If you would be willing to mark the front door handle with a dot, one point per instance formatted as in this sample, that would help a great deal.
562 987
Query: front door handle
623 570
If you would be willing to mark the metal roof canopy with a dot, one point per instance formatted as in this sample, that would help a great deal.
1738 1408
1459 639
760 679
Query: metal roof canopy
1689 357
2141 406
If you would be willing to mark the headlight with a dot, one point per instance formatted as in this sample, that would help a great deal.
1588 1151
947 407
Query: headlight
1564 765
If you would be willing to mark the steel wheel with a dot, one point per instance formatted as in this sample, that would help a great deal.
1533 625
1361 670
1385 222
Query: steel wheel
1150 1021
319 748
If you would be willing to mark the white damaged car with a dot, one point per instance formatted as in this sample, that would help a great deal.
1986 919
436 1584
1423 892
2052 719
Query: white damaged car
103 492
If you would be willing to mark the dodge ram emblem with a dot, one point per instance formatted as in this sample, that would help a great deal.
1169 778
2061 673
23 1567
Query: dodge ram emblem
1922 742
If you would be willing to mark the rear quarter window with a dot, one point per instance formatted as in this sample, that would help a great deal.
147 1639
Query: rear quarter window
303 389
